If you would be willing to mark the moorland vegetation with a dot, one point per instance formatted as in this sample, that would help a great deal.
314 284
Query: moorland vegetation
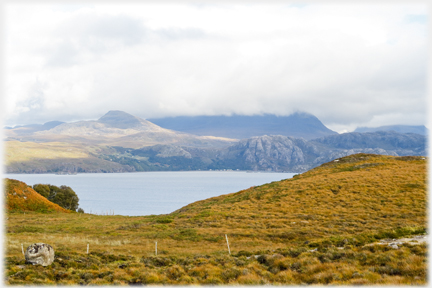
320 227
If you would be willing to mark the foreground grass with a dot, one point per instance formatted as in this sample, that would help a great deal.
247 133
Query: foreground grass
337 209
375 264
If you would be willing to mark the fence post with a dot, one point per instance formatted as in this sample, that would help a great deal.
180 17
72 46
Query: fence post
156 248
22 249
88 247
229 251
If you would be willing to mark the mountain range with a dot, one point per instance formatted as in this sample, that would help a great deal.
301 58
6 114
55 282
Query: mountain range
298 125
114 128
120 142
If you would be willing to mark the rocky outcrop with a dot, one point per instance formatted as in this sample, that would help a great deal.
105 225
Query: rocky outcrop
272 153
40 254
280 153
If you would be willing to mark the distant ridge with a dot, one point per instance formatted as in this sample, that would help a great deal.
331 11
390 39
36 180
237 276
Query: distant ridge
115 128
299 125
32 128
420 129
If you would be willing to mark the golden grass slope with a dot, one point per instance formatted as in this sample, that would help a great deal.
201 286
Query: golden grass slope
50 157
361 193
22 198
26 151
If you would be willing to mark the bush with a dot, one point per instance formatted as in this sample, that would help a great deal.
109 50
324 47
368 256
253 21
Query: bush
244 253
164 220
63 196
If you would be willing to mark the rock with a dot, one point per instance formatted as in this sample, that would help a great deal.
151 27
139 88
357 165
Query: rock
39 254
394 246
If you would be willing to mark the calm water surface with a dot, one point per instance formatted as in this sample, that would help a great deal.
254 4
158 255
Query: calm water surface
146 193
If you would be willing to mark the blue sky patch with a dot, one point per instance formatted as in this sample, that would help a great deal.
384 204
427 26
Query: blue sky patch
417 18
298 5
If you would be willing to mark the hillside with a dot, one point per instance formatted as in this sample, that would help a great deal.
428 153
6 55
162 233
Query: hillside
54 157
331 225
420 129
22 198
276 152
361 194
298 125
263 153
407 143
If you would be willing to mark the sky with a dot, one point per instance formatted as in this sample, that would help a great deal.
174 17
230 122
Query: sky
351 65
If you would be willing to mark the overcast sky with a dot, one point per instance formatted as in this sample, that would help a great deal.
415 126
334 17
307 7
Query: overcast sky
350 65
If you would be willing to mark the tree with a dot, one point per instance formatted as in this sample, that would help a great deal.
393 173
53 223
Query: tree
63 196
42 189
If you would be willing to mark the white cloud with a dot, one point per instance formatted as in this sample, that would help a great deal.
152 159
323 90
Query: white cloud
347 64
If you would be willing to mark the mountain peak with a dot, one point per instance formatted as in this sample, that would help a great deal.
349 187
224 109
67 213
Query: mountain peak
120 119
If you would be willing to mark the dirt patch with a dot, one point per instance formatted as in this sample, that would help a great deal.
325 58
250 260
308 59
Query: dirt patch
415 240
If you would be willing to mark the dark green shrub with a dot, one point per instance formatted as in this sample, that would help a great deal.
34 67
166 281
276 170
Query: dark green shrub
294 252
156 261
164 220
63 196
243 253
262 259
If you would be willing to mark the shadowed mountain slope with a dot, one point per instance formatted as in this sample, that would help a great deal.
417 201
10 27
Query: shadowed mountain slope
239 127
421 129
